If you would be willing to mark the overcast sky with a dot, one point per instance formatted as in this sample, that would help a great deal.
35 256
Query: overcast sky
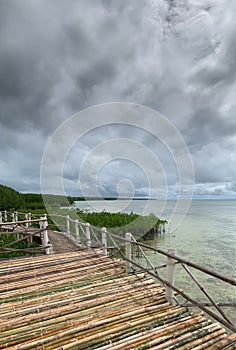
177 57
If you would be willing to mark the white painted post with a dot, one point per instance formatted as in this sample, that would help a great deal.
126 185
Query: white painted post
41 233
68 224
29 218
88 235
104 241
29 225
0 216
45 235
13 217
5 215
128 251
170 275
77 235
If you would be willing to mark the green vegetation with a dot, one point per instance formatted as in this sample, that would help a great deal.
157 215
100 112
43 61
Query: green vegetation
9 198
7 239
123 222
142 226
106 219
33 201
38 201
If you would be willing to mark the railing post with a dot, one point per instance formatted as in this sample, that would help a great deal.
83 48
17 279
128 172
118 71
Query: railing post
88 235
128 250
104 241
0 216
29 225
5 215
77 235
41 233
27 218
46 242
68 224
170 275
13 217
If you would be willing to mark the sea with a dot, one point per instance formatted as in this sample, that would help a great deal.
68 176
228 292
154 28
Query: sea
201 231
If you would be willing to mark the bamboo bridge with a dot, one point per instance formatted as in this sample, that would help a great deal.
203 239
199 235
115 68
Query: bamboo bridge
80 298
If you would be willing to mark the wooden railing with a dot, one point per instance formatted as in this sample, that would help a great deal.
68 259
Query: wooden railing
127 247
93 237
24 228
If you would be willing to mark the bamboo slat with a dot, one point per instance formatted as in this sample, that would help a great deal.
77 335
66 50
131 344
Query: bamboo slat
150 335
83 300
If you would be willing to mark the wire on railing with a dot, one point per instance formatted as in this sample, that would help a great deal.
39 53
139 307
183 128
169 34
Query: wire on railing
175 259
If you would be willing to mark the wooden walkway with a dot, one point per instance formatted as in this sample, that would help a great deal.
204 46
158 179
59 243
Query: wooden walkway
83 300
61 243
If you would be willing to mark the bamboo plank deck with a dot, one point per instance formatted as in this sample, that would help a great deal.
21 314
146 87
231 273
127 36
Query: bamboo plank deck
83 300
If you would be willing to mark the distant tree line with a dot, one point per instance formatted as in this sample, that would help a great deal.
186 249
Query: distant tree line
11 199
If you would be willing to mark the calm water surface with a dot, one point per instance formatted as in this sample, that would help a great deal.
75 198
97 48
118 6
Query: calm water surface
207 234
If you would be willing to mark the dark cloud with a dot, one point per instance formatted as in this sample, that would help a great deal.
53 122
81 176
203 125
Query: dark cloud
58 57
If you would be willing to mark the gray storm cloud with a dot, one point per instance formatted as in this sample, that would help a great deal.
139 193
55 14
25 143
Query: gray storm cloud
59 57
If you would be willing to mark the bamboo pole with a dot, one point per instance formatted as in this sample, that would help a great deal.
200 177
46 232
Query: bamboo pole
72 314
46 242
68 224
77 233
206 293
104 241
186 338
60 311
123 320
122 284
170 276
145 337
188 263
207 341
29 233
21 222
128 251
183 294
83 314
88 235
230 340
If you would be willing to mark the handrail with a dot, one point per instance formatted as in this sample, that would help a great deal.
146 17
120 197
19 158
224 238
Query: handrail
229 325
232 281
152 272
15 224
10 223
189 263
179 259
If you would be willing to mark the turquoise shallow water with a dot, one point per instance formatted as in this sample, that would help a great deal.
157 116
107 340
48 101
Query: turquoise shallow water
206 235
